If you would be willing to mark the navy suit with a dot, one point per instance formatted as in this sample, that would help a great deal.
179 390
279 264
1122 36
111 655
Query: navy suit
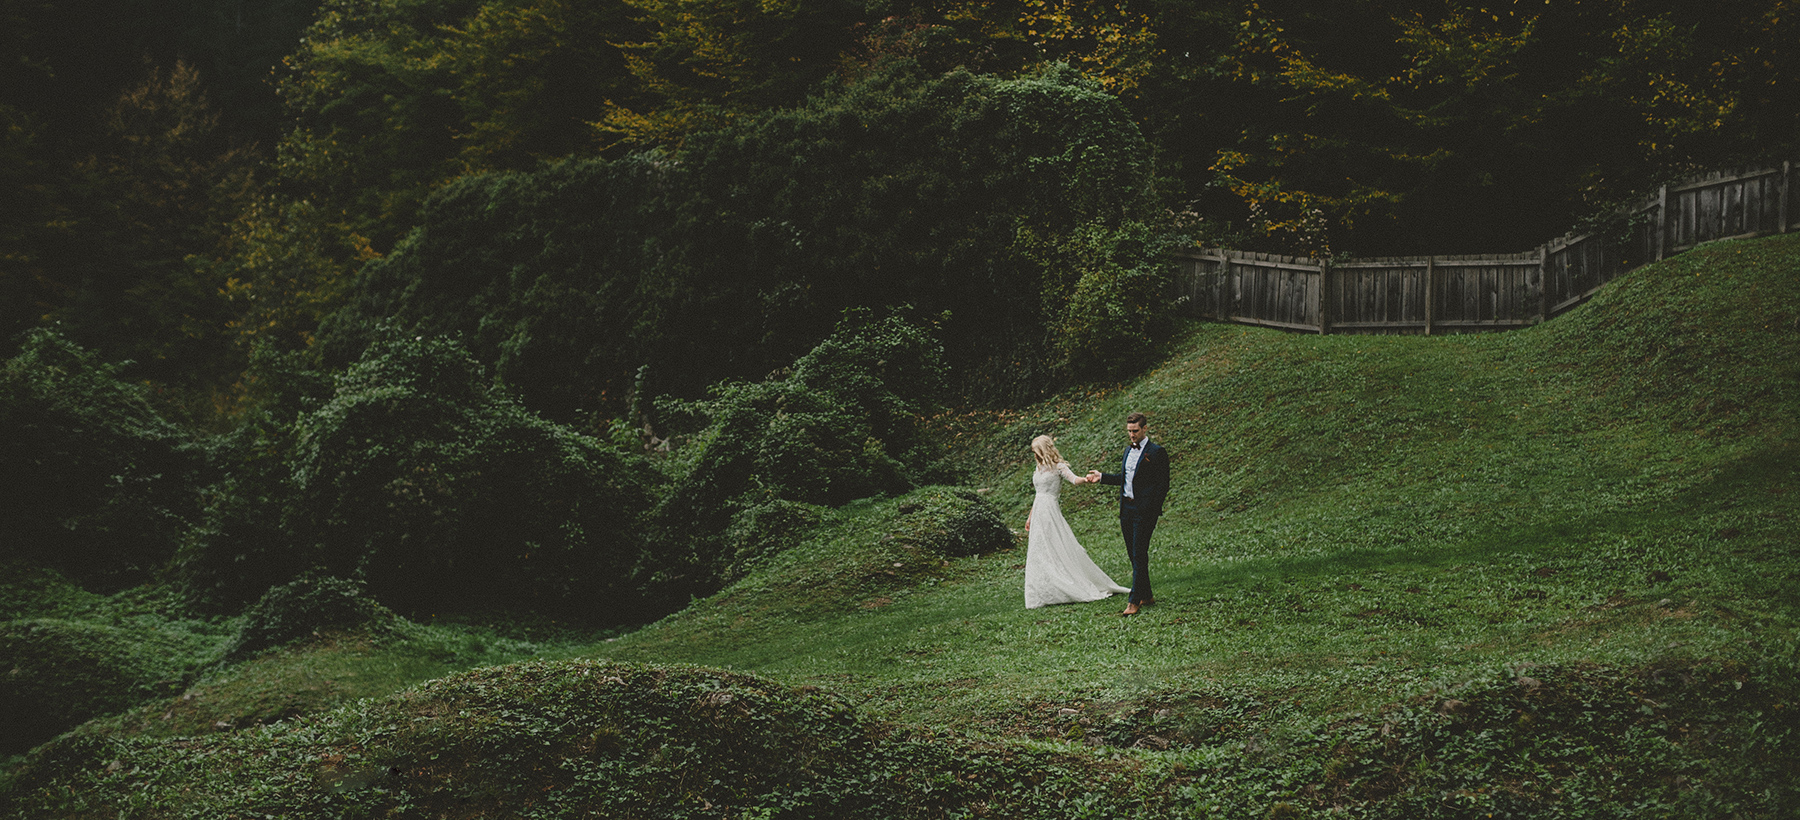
1138 515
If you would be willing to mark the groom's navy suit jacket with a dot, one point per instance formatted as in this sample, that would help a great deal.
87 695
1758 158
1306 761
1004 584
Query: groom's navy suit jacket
1151 484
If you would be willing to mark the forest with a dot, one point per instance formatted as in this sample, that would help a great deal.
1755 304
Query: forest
580 310
684 191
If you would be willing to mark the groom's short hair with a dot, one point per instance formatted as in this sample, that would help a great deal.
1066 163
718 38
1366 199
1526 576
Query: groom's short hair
1138 419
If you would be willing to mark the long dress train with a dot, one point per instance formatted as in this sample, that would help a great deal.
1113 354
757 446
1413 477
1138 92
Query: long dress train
1057 569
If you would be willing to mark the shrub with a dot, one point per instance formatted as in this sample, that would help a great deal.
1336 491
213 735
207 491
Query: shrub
302 609
102 487
421 478
763 530
239 548
955 522
1109 294
891 369
835 428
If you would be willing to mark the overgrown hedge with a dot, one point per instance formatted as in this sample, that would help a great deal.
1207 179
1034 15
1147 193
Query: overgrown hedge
841 424
99 485
424 480
1015 210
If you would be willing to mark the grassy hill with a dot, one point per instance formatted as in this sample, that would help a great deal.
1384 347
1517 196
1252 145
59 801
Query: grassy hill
1546 573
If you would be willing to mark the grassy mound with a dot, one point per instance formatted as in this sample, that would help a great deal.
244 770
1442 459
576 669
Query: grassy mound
304 608
546 739
61 673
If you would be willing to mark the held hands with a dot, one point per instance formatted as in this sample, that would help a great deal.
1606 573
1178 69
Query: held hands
1093 477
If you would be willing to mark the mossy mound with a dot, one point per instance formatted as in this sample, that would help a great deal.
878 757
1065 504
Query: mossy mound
572 739
55 674
305 608
953 522
540 739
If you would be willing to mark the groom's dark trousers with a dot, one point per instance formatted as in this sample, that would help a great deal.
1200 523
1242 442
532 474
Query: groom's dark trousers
1137 524
1138 514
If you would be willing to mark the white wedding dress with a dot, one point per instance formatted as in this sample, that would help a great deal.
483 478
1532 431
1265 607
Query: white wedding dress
1057 569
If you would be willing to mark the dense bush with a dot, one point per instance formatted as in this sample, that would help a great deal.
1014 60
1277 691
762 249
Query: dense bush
244 509
593 283
759 532
101 486
839 426
1109 293
552 279
421 478
304 607
60 673
955 522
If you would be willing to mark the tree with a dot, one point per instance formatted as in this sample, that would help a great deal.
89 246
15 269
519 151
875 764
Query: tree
152 203
1490 129
29 227
703 63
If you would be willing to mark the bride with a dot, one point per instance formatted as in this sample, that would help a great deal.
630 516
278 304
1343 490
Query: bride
1057 569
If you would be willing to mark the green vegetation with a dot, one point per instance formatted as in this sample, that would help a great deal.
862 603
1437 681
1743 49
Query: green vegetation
1017 216
1540 573
423 479
184 180
555 407
103 485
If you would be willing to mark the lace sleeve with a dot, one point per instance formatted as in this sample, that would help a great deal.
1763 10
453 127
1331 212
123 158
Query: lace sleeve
1068 474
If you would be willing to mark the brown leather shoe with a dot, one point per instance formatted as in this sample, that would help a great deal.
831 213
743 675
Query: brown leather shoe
1130 609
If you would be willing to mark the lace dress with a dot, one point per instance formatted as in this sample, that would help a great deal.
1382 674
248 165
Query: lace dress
1057 569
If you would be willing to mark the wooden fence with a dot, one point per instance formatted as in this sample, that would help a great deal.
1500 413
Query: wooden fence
1459 294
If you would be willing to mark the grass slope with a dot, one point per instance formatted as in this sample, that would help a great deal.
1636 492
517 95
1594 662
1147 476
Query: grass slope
1615 487
1546 573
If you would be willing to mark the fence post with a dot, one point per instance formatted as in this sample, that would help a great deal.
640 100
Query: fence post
1221 284
1662 220
1544 282
1324 296
1787 167
1430 290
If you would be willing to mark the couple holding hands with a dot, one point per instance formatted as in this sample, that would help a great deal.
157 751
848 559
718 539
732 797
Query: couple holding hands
1057 569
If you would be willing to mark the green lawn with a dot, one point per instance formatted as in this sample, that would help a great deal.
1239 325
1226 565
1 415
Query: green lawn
1357 520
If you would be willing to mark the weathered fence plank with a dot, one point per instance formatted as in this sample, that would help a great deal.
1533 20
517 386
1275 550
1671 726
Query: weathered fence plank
1458 294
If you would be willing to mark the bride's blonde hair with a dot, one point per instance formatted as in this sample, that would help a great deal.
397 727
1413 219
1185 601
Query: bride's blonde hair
1043 448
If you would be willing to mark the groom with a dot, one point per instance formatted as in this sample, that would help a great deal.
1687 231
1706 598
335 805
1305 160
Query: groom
1143 485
